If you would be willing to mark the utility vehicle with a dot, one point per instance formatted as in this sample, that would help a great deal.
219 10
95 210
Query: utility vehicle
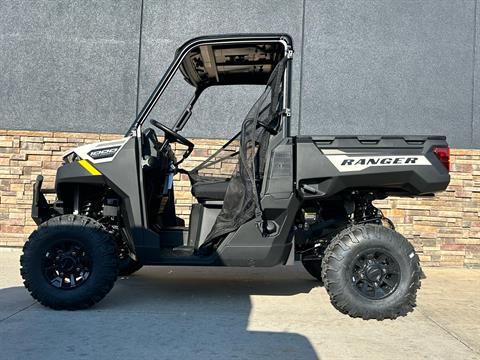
305 198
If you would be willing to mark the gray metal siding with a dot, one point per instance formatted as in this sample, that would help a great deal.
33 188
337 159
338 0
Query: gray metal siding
368 67
389 67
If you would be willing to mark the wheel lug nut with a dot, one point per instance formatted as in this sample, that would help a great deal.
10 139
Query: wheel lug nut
74 253
78 269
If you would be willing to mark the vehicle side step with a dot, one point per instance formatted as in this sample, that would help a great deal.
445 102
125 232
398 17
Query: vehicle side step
177 251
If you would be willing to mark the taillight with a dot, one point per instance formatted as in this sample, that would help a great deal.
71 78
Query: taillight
443 154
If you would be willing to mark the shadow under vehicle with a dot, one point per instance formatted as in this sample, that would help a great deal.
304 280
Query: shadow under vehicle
208 313
285 198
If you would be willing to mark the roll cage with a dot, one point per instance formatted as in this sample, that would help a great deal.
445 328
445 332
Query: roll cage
201 50
222 60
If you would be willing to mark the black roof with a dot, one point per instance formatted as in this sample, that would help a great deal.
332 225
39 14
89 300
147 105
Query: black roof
231 58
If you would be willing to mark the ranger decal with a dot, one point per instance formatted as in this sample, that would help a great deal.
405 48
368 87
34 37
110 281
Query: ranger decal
345 163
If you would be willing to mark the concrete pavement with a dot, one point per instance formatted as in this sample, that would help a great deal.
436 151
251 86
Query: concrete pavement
223 313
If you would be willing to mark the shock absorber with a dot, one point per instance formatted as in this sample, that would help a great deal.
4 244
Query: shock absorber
86 209
366 212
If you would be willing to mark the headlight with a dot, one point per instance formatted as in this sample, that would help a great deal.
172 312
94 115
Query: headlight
69 158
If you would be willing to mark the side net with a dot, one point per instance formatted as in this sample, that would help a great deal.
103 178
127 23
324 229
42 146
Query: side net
241 202
220 165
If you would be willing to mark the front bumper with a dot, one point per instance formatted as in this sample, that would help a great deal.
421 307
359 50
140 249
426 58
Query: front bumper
41 209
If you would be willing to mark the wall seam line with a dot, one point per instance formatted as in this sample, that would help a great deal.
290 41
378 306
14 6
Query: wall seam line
474 54
302 49
139 60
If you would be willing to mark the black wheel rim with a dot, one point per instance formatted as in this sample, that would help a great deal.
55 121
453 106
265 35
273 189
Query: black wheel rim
375 274
66 265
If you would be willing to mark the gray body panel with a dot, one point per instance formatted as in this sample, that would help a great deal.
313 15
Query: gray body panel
122 174
316 156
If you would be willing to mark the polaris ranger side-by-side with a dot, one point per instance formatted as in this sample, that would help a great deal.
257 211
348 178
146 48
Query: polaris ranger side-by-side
306 198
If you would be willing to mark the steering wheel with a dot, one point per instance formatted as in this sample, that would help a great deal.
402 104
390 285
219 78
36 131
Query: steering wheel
173 136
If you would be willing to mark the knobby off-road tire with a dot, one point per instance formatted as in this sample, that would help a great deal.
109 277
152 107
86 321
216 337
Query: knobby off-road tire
127 266
70 262
314 268
378 257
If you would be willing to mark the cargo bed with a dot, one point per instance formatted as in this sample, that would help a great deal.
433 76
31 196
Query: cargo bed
395 165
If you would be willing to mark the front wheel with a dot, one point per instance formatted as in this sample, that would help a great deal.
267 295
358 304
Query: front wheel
70 262
127 266
371 272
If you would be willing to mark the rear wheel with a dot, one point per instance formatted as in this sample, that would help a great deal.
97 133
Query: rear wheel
371 272
70 262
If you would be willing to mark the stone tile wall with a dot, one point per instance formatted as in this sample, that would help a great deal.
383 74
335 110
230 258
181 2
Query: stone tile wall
445 229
